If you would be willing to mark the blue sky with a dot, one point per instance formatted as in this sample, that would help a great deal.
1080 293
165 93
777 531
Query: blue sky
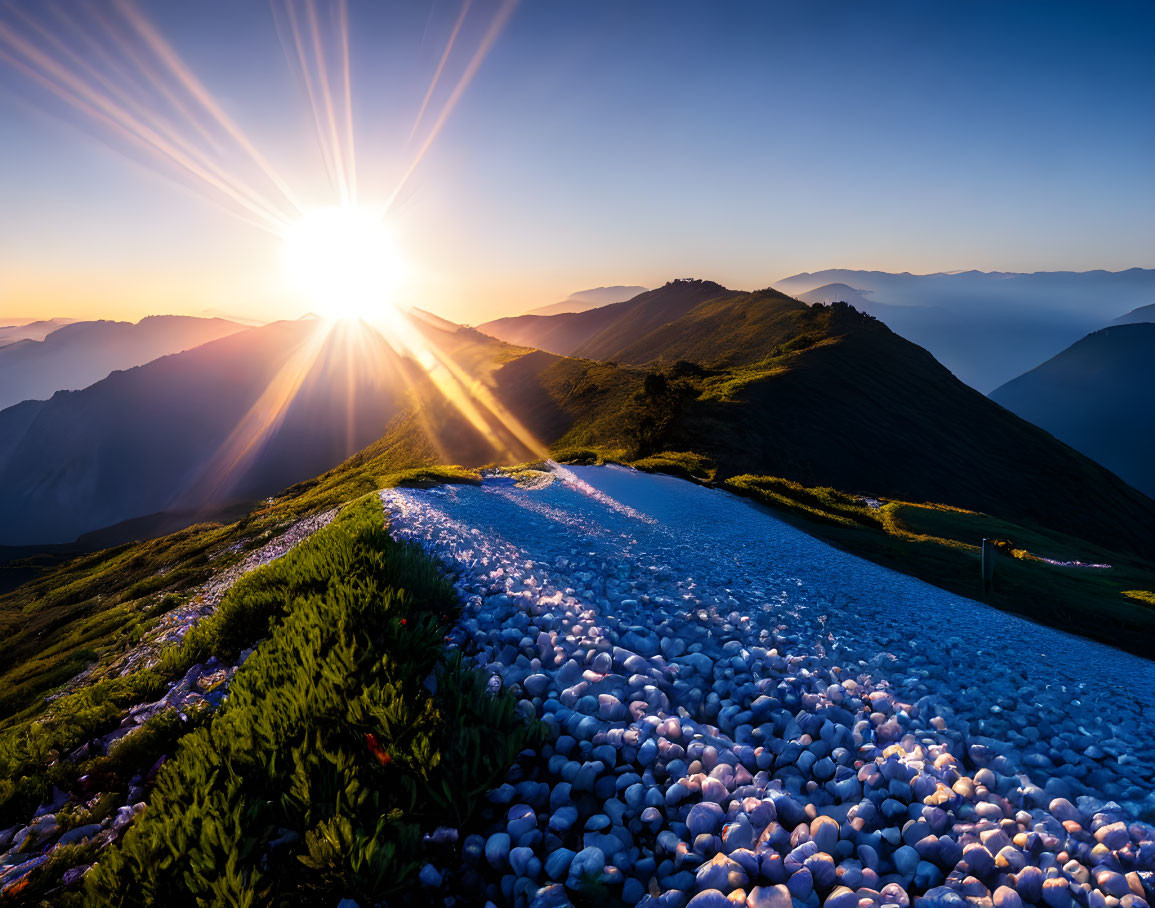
626 142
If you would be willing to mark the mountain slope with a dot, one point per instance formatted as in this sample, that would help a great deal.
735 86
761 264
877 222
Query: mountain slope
827 396
243 417
1098 396
76 355
988 327
737 329
821 395
1142 315
589 299
600 333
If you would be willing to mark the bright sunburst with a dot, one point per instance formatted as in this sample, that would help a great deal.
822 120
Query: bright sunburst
344 260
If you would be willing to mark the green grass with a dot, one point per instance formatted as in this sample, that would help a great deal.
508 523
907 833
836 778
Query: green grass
331 737
87 610
685 464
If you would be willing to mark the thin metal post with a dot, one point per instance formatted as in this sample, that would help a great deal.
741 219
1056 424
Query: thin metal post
988 565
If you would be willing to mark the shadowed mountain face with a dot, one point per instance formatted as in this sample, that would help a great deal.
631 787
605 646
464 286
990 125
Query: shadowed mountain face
76 355
987 327
589 299
601 333
1098 396
866 410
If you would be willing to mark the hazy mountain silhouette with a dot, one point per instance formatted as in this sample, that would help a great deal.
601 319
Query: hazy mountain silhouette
599 333
36 331
247 415
1098 396
837 293
1142 315
988 327
589 299
76 355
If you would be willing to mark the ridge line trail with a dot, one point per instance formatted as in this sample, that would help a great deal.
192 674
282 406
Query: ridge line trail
685 641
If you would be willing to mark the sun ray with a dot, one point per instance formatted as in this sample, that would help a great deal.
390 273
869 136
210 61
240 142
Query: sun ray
113 91
258 423
188 80
487 42
132 107
440 68
122 75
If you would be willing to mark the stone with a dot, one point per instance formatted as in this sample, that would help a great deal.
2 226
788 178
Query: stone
558 863
721 872
497 850
774 897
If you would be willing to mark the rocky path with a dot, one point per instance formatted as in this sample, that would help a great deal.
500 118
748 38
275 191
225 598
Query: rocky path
748 716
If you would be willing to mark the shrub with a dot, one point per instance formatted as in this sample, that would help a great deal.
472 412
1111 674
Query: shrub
345 736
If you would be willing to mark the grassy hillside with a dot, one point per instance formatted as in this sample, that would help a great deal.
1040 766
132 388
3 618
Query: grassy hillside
353 583
327 795
826 396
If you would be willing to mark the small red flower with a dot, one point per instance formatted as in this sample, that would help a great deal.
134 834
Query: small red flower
402 620
379 753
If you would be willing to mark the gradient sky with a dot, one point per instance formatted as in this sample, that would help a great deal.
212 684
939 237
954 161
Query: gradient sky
624 142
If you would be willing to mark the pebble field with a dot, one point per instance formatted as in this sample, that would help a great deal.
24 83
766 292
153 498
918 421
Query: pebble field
747 716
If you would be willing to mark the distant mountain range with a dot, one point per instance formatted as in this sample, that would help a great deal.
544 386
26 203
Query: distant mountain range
986 327
837 293
75 355
755 382
589 299
232 419
37 330
1098 396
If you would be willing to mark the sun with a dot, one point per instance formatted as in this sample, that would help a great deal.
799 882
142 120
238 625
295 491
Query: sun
344 260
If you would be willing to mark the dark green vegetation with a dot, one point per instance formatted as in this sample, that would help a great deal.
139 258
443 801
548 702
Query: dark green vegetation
335 730
1098 396
84 615
87 611
330 743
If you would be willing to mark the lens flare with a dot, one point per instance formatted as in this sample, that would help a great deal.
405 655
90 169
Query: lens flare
344 260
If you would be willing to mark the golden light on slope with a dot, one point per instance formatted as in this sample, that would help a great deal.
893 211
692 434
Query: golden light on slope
343 259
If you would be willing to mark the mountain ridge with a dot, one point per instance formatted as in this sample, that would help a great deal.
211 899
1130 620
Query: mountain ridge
988 327
78 354
1098 396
